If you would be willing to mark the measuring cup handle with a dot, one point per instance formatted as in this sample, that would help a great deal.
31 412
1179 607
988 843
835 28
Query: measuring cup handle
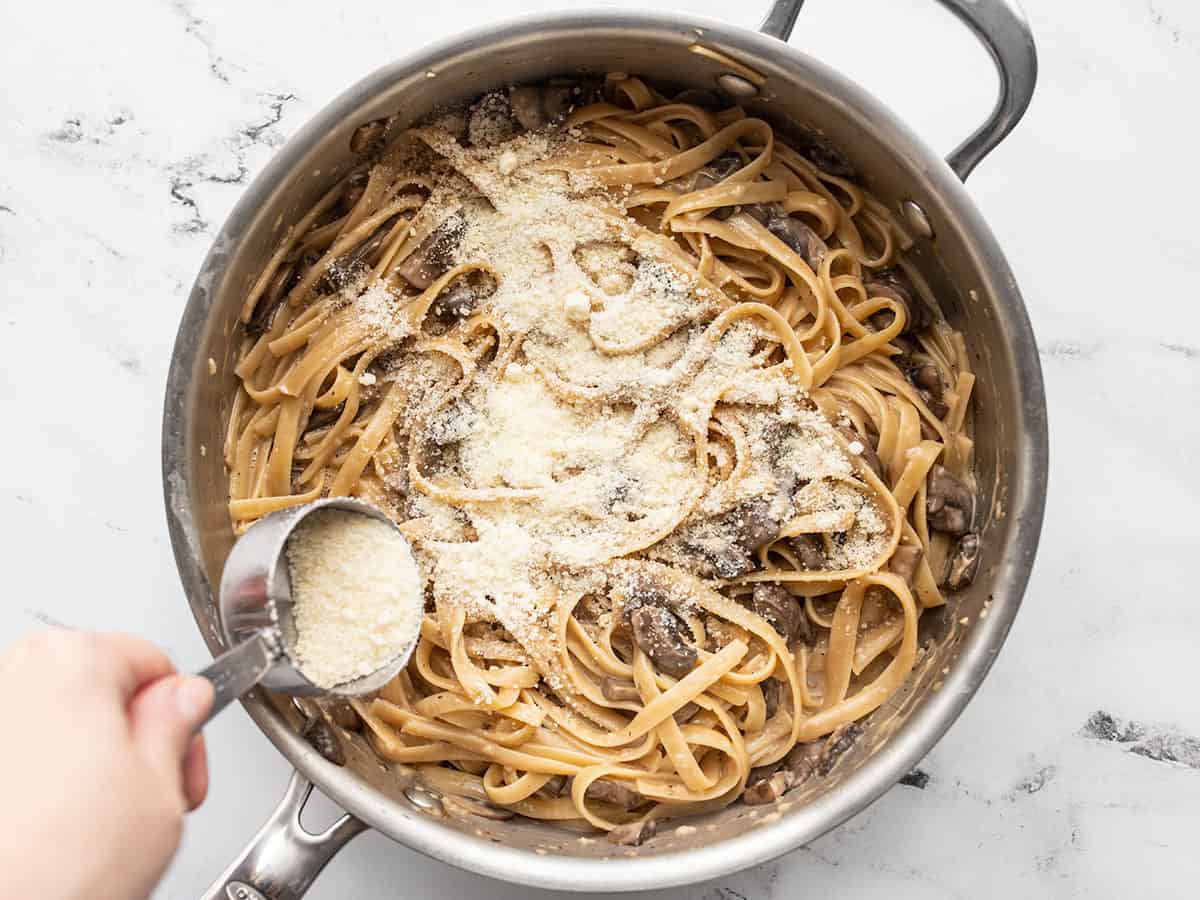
238 670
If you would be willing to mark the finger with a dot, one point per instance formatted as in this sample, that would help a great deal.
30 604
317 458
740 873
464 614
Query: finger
195 773
164 717
136 662
40 646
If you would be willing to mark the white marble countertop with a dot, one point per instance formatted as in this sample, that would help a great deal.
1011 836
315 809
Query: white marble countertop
131 128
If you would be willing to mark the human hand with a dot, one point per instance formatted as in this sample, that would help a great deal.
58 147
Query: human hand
100 761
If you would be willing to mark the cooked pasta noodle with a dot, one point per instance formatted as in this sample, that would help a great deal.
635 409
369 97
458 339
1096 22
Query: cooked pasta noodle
676 435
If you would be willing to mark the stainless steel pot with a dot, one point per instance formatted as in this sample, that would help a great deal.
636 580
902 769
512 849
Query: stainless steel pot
957 253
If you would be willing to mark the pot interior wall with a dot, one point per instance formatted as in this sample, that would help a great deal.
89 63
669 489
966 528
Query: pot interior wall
894 168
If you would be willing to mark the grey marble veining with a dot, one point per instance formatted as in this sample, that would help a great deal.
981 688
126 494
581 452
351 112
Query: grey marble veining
129 131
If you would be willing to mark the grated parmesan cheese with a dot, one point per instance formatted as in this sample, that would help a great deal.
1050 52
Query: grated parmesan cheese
356 593
507 162
378 308
577 481
577 306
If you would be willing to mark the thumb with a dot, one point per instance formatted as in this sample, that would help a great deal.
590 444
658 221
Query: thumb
164 717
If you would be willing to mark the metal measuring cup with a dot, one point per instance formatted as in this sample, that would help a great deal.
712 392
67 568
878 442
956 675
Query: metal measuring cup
254 607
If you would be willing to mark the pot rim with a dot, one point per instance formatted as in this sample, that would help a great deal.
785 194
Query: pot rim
937 711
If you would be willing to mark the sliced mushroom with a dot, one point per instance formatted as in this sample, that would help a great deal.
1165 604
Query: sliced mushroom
788 481
933 399
794 769
926 377
819 151
811 551
868 453
950 519
763 212
633 834
929 385
772 690
905 560
556 786
619 690
526 105
800 238
622 642
936 405
720 633
792 231
741 531
490 120
345 716
422 267
458 302
714 173
684 714
536 106
841 740
605 790
964 564
324 740
658 633
783 612
754 526
802 760
769 789
293 269
590 608
557 99
269 303
727 559
369 135
948 502
758 773
895 285
431 258
348 261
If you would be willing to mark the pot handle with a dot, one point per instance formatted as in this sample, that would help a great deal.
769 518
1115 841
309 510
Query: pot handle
1003 29
284 858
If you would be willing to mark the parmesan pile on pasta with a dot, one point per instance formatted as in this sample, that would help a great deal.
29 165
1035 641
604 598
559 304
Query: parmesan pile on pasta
583 446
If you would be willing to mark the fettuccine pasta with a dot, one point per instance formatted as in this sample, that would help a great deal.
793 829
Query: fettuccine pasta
677 436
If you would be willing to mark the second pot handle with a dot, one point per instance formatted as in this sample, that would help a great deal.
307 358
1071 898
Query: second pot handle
1002 28
283 858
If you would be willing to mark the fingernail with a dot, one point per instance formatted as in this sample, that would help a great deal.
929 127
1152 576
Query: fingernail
193 696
